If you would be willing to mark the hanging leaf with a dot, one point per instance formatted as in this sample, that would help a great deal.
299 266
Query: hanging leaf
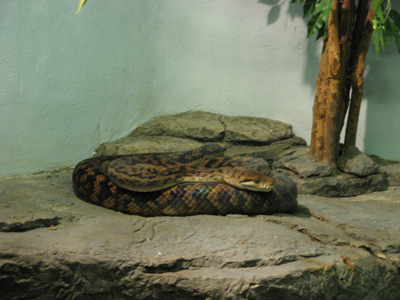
376 4
324 6
322 32
315 24
377 34
308 8
395 16
394 29
80 5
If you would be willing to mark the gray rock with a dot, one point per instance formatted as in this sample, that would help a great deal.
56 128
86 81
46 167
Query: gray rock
146 144
207 126
193 124
361 165
321 252
393 173
357 163
259 130
342 185
301 151
267 152
303 165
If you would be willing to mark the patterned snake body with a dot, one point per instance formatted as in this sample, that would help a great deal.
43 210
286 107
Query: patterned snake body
92 182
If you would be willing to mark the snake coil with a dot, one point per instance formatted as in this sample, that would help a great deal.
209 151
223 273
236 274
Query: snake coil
91 183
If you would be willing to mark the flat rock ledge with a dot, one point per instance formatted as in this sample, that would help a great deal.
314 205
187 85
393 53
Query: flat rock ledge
271 140
55 246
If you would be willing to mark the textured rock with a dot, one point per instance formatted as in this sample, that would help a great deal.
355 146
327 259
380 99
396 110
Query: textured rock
361 165
258 130
146 144
301 163
207 126
317 178
321 252
393 173
357 163
194 124
304 167
342 185
267 152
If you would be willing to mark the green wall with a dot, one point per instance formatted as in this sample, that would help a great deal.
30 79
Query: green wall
69 83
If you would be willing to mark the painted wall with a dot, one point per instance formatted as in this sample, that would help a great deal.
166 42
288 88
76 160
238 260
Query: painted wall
69 83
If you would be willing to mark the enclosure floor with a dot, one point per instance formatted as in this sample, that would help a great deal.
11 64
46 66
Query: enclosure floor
56 246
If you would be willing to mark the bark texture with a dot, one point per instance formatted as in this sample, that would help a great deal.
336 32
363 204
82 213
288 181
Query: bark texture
340 78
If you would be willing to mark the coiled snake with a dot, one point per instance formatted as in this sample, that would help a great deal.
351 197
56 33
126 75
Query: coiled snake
211 184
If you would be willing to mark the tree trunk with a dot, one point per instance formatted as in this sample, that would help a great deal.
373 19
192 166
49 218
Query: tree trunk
357 81
332 132
340 78
317 132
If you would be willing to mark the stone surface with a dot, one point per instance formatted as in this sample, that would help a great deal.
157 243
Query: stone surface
393 173
304 166
258 130
207 126
268 152
361 165
146 144
194 124
342 185
317 178
83 251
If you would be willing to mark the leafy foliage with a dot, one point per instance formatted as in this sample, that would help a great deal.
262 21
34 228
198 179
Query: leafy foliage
318 12
386 25
386 22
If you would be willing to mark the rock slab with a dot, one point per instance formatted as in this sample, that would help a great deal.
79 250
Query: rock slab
56 246
205 126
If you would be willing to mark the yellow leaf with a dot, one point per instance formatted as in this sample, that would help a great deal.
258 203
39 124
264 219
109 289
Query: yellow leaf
80 5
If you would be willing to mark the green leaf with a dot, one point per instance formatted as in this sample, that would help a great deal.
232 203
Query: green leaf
387 34
376 4
395 16
315 24
80 5
325 13
322 32
376 41
324 6
297 1
395 32
378 14
382 39
308 8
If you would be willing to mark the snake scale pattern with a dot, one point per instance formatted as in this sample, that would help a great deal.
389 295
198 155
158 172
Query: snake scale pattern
92 183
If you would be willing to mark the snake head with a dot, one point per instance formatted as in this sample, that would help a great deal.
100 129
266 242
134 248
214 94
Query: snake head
249 180
259 184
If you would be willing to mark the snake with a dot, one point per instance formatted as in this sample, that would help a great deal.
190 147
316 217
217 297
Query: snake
198 181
